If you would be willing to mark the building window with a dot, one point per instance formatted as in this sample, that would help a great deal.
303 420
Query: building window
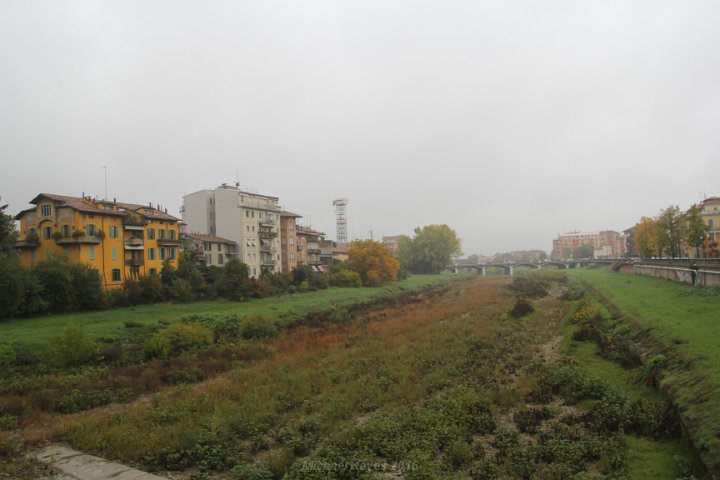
153 271
151 254
46 210
114 253
172 234
65 231
33 256
116 275
292 240
220 259
113 232
92 252
219 245
163 253
47 233
91 230
710 223
173 253
207 246
151 233
161 234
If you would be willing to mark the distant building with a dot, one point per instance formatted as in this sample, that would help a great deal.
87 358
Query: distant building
288 240
392 242
250 220
210 250
308 245
606 244
123 241
710 211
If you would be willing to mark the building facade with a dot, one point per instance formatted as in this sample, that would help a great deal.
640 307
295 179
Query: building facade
308 241
121 240
250 220
710 211
288 241
605 244
210 250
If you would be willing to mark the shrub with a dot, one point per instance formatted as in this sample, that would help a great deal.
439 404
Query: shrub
339 315
150 289
185 337
246 471
531 286
156 347
257 326
344 278
521 308
529 419
458 454
73 348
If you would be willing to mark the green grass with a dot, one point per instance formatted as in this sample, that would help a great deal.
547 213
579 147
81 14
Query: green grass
647 459
682 323
37 331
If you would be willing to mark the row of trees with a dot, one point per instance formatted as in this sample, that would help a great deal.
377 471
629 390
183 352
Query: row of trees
670 232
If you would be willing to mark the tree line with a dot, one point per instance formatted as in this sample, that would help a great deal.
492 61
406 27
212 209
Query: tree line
671 232
57 285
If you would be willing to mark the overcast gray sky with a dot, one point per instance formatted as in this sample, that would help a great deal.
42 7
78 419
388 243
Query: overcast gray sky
510 121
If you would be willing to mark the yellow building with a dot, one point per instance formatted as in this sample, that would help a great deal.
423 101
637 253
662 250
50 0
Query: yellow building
121 240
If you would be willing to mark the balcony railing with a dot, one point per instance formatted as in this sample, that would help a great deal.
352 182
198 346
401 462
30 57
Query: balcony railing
92 239
134 242
166 242
134 262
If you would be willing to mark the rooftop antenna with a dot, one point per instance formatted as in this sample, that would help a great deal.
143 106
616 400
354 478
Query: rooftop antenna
104 167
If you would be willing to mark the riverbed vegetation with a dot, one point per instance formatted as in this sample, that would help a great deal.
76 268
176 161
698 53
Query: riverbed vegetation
443 384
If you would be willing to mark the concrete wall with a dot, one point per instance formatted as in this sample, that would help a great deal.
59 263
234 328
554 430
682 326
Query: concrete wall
708 278
196 212
684 275
705 278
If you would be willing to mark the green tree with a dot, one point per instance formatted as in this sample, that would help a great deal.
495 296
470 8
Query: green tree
583 251
234 282
8 234
20 292
430 250
372 261
671 227
696 230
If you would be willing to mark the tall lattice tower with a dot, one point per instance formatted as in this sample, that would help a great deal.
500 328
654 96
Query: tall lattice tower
341 219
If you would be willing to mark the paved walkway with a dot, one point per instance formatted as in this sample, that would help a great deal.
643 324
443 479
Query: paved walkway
86 467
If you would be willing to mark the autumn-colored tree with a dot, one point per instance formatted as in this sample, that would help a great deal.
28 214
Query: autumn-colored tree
646 238
373 261
696 230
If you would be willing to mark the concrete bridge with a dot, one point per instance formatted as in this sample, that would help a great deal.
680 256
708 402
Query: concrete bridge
509 267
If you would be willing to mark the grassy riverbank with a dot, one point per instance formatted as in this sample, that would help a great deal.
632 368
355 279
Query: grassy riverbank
682 324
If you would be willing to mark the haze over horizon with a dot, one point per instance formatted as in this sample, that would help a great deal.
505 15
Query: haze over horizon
509 121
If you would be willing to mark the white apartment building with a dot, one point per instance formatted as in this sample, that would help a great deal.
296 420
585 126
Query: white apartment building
248 219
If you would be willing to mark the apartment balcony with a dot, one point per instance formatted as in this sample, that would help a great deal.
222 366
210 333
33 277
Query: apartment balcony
134 262
85 239
314 251
166 242
22 244
267 262
134 244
